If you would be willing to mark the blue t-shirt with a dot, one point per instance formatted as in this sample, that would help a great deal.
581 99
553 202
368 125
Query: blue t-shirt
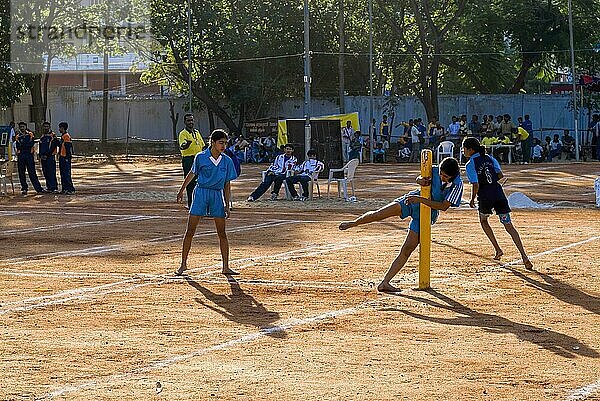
211 176
471 171
484 170
440 191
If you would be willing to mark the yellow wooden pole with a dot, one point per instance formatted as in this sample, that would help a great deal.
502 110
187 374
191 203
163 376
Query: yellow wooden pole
425 223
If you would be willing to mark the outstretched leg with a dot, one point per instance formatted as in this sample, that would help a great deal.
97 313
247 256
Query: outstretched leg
224 245
187 242
483 219
391 209
517 240
410 243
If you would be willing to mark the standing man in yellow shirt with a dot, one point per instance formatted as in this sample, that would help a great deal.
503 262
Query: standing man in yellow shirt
190 144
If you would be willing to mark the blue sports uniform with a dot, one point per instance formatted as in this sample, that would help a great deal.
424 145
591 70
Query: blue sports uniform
484 171
208 198
440 191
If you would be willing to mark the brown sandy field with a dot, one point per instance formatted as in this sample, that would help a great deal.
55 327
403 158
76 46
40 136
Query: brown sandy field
89 309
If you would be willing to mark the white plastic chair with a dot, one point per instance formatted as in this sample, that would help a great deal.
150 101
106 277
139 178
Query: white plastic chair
342 183
6 172
444 149
314 181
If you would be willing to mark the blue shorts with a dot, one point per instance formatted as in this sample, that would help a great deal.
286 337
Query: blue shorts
208 202
414 211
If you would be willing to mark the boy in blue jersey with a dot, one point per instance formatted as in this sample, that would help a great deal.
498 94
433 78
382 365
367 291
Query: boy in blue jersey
446 191
483 171
213 171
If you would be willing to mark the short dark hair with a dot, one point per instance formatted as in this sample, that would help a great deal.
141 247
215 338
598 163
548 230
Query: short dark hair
46 123
450 166
218 134
311 152
63 125
289 145
22 123
186 115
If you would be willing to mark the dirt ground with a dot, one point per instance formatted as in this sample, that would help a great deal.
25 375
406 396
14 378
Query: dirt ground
89 309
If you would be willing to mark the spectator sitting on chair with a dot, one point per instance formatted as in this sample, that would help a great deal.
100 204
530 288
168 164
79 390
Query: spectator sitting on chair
304 174
355 146
568 145
276 173
502 153
489 139
555 148
537 152
241 144
379 153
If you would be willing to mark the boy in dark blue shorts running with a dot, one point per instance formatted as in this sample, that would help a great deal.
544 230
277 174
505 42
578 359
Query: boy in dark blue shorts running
446 191
483 171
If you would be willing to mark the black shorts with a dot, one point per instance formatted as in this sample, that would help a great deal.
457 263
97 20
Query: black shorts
499 205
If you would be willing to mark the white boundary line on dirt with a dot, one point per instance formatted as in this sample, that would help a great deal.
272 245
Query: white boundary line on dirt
257 335
60 211
87 293
74 225
583 393
248 338
110 380
110 248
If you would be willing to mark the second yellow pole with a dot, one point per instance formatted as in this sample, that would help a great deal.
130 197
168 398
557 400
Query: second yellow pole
425 224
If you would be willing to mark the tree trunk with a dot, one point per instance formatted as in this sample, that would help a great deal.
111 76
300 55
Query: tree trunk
37 101
242 116
200 92
341 57
211 120
174 119
526 65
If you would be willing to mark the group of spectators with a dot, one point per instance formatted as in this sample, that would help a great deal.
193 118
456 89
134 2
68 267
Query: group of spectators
254 149
491 130
25 149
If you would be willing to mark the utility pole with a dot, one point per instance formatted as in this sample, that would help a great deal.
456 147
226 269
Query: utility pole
341 56
189 51
575 113
371 127
104 134
307 79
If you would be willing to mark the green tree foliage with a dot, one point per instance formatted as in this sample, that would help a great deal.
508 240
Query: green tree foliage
11 85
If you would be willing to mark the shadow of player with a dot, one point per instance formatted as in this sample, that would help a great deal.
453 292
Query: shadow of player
239 307
560 290
561 344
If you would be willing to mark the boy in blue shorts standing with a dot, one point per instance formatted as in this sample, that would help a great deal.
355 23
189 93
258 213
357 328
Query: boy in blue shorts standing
446 191
213 171
483 171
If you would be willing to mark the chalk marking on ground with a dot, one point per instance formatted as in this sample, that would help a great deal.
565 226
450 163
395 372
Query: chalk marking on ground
112 248
585 392
257 335
248 338
74 225
88 293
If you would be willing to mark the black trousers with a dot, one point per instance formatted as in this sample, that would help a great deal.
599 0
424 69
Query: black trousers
25 162
187 162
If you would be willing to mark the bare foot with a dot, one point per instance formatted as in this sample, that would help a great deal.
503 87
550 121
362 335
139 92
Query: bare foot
528 264
344 225
498 255
387 287
181 269
228 272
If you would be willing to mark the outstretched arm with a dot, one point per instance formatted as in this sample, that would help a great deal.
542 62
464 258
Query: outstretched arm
443 205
